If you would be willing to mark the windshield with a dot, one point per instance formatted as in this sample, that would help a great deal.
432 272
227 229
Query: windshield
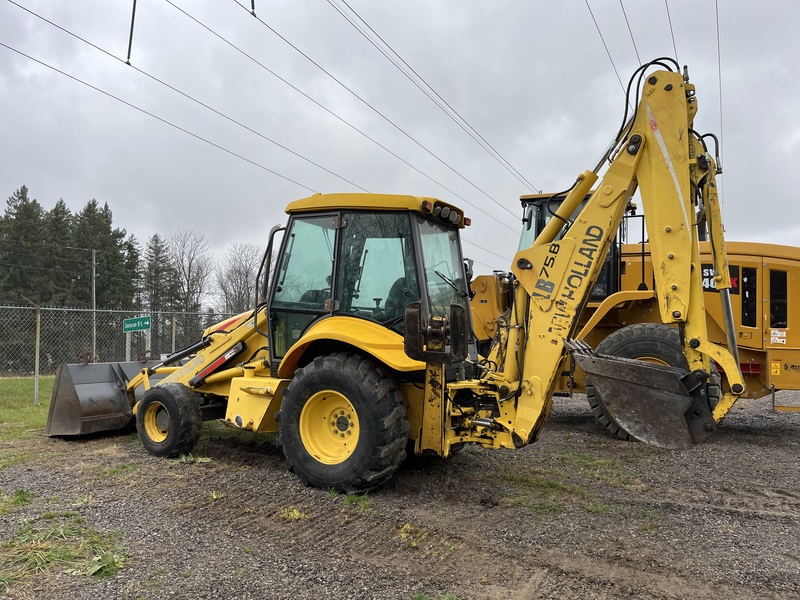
444 267
536 215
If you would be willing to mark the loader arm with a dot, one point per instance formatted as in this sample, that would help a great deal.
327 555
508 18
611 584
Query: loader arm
658 154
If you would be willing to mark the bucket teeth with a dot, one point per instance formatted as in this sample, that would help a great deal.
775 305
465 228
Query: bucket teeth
578 347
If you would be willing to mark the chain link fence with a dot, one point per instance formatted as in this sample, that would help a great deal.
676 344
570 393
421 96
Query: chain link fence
51 336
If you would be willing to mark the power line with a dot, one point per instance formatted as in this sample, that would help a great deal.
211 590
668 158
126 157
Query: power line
602 39
470 242
672 33
622 6
165 121
371 107
46 257
187 96
430 92
332 113
3 264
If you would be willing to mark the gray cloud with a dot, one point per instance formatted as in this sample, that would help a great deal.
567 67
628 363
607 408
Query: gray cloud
533 78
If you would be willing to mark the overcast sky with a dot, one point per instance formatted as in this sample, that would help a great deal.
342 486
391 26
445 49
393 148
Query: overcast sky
532 77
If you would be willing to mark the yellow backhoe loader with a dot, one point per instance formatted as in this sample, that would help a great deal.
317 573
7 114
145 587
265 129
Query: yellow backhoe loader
359 348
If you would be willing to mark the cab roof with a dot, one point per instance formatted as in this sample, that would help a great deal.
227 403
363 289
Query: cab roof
365 201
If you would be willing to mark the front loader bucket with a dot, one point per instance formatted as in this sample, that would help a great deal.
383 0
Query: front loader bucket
91 397
659 405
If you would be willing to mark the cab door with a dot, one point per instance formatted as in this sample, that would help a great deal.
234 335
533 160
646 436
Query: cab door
746 299
781 331
301 290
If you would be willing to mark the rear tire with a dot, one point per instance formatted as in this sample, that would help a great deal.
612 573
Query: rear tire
169 420
343 424
651 342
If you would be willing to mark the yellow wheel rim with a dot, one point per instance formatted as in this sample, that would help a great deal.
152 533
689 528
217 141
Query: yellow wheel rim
653 360
329 427
156 422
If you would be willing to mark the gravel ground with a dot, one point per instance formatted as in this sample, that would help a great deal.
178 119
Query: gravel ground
576 515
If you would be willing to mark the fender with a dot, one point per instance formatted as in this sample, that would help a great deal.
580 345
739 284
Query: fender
615 299
384 345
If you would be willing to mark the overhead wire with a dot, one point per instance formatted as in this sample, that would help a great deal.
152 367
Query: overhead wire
331 112
625 14
671 31
602 39
407 70
154 116
188 96
4 264
373 108
46 257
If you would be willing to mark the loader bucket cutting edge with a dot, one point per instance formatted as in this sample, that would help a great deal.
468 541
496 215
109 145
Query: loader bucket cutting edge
659 405
90 398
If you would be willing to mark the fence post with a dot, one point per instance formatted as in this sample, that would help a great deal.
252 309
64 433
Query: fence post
174 331
36 360
94 306
37 349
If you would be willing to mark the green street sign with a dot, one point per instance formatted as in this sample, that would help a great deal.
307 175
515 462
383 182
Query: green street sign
135 324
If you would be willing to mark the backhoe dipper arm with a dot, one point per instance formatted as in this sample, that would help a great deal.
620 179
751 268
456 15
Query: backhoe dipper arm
556 276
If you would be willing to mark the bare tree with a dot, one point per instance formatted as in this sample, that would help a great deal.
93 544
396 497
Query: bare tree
194 264
236 277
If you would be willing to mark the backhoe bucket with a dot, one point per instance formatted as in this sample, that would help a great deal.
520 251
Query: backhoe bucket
91 397
659 405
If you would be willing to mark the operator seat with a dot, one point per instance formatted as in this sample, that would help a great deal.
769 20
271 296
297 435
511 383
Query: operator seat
400 294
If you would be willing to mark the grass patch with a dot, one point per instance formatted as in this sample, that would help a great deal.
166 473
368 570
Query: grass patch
214 496
63 544
291 514
358 501
19 417
120 470
419 538
542 494
10 501
424 596
190 459
608 471
597 508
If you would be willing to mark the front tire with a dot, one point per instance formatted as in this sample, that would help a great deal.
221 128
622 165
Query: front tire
651 342
169 420
343 424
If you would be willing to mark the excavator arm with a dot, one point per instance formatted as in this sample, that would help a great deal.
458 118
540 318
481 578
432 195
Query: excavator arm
658 152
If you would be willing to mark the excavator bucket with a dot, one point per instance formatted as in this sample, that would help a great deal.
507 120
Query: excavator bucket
91 397
659 405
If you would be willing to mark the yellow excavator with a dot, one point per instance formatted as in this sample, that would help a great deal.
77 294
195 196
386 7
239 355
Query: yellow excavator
360 347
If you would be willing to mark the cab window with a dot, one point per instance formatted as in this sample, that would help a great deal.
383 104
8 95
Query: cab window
377 274
444 267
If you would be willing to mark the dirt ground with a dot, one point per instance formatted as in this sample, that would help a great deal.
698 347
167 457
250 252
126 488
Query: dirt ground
576 515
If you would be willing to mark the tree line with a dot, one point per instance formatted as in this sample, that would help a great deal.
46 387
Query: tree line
46 258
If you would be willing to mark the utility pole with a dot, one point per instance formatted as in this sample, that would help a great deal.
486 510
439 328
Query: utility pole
94 298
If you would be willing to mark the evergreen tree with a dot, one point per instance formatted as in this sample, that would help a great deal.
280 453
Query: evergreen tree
114 281
159 291
23 241
62 256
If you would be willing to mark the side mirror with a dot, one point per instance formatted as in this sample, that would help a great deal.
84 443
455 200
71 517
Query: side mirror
441 340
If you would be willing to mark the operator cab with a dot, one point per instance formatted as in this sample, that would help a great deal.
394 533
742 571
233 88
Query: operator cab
364 261
538 209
